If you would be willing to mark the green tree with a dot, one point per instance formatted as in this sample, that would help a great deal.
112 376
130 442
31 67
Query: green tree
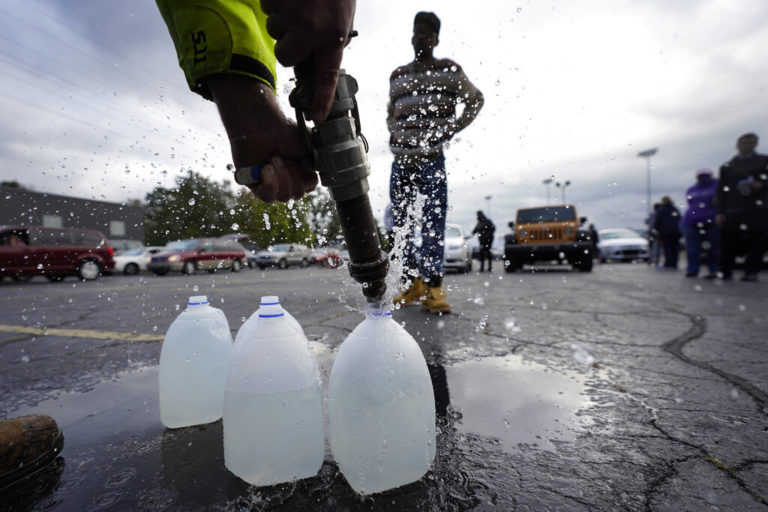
196 207
271 223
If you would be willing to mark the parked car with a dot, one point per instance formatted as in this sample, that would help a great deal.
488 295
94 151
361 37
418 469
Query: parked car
132 261
283 256
458 254
621 244
189 256
552 233
26 251
328 257
125 245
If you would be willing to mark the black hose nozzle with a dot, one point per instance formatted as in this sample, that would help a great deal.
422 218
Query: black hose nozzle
338 150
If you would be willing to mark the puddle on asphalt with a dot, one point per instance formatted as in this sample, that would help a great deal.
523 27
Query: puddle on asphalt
118 456
515 401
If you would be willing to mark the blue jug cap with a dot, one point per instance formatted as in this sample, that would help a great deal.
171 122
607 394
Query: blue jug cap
270 300
198 300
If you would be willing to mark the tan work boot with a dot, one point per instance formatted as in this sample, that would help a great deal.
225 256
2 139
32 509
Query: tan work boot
434 302
27 444
413 293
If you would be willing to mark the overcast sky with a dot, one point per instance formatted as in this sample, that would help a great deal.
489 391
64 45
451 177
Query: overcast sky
94 104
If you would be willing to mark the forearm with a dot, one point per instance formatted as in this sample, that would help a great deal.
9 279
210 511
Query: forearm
471 109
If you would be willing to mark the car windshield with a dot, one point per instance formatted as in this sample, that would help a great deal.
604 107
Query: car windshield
548 214
452 232
281 247
130 252
619 233
182 245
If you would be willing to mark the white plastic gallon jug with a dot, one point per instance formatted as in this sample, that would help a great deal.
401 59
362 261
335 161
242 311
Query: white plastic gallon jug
382 407
273 409
193 366
250 324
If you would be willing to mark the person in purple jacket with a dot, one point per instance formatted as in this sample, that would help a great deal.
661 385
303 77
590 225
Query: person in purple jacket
698 224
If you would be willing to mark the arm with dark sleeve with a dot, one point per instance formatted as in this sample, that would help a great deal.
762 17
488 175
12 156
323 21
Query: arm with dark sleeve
220 36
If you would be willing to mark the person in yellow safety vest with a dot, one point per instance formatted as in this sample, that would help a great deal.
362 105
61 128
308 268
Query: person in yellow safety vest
227 52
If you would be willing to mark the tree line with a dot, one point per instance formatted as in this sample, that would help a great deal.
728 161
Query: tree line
199 207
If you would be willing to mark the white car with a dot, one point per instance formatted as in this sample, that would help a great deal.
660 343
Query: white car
284 255
132 261
621 245
458 253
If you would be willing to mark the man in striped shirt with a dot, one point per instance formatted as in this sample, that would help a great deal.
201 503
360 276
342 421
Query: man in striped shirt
422 118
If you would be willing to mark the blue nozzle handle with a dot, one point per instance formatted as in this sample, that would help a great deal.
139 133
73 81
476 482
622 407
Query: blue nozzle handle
248 176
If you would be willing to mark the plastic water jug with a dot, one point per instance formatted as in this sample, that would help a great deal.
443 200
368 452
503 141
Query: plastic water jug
381 406
273 405
250 324
193 365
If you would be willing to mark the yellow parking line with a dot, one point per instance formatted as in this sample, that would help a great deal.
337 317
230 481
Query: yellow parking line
81 333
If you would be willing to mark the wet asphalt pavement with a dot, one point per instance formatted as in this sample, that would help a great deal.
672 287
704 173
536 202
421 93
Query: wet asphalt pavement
627 388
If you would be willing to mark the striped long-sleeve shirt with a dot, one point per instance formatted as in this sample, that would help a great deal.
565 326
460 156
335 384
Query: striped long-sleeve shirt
422 106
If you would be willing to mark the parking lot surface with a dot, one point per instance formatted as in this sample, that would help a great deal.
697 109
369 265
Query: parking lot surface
627 388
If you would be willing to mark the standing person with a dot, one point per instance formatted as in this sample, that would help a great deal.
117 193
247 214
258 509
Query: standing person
667 224
422 118
698 224
484 229
654 248
742 206
594 238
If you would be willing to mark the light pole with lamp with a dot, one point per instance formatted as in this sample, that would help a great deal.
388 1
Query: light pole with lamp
647 154
548 182
563 185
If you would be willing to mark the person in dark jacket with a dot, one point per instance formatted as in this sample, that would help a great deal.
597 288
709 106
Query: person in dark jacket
667 225
484 229
742 207
699 225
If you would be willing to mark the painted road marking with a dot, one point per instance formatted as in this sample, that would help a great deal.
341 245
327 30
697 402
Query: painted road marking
81 333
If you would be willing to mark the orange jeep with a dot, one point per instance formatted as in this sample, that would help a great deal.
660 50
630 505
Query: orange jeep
548 233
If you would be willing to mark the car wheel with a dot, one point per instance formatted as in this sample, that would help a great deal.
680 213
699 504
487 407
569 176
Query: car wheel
55 278
189 267
304 263
236 266
159 272
21 277
603 260
251 265
131 269
262 267
88 270
283 263
468 268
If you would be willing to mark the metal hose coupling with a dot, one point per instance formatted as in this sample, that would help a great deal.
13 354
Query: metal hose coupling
338 151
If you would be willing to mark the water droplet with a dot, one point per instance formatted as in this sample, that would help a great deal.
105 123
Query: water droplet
195 288
192 202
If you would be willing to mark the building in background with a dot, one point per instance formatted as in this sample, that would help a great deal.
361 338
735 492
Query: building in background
117 221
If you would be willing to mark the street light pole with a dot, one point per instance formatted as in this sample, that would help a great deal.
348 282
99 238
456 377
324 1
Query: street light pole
488 200
647 154
563 185
547 182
